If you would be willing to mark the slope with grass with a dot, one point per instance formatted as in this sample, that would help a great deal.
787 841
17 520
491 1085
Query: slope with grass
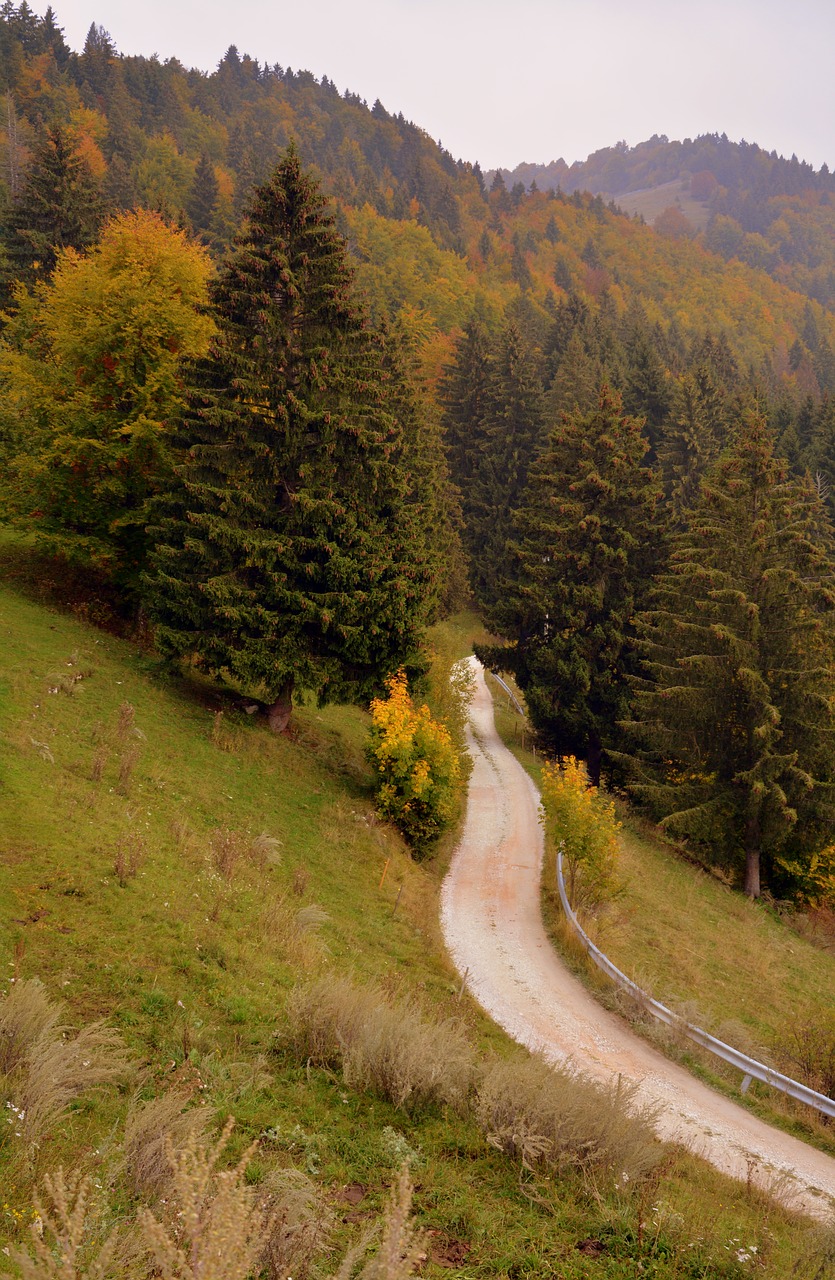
171 868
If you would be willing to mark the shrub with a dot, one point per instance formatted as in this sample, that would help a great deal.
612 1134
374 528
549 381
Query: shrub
550 1118
418 766
812 879
385 1046
578 818
42 1068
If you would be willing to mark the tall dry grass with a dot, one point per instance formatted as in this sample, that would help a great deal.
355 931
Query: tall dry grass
401 1250
300 1224
212 1229
59 1239
44 1067
386 1046
150 1129
550 1118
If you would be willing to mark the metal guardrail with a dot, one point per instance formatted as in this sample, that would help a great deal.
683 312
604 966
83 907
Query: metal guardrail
751 1069
520 709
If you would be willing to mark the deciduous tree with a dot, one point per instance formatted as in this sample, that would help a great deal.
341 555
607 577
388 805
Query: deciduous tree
89 382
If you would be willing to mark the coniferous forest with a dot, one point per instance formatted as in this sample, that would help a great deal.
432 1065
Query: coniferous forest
289 380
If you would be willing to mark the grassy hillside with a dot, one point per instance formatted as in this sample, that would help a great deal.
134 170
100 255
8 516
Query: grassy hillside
652 201
170 867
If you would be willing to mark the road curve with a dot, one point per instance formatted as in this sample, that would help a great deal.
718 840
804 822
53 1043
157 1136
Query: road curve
492 924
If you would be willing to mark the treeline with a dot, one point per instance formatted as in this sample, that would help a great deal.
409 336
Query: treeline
191 145
275 455
662 574
243 458
87 134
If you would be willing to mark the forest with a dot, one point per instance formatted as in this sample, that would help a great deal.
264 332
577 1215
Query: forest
619 438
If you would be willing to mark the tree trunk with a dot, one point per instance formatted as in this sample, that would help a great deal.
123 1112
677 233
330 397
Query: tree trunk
594 759
752 858
280 710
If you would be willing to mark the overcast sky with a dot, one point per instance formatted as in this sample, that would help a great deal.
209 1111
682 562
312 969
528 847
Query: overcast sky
502 81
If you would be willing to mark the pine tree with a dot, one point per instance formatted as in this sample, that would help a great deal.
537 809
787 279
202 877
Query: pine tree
693 438
511 440
203 196
288 557
59 207
734 713
586 543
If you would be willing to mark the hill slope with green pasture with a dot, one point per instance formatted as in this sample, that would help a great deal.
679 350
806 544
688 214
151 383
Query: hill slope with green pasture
172 868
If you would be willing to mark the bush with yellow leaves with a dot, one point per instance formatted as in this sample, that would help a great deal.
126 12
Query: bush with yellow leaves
578 817
419 773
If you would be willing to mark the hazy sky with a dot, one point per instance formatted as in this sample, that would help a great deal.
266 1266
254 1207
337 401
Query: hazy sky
502 81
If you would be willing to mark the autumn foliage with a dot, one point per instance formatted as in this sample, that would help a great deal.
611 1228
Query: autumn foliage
583 822
418 768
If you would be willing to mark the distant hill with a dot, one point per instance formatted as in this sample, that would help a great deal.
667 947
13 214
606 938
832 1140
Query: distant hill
431 241
760 208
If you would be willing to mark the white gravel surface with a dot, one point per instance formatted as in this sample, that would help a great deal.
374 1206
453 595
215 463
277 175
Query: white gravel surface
492 924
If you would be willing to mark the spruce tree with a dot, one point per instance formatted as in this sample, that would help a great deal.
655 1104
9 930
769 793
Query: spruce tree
59 207
288 558
586 544
203 197
693 438
511 440
463 396
733 715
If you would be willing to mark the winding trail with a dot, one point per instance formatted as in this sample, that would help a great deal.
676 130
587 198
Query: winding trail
492 924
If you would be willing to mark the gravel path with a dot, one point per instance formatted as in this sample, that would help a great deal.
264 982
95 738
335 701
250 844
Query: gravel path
490 914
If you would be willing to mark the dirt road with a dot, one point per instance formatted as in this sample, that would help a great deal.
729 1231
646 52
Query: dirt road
493 928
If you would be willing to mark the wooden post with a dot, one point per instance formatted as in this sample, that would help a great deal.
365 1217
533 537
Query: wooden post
385 870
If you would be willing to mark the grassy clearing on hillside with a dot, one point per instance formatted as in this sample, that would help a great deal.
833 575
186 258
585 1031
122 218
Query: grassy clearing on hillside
653 201
761 989
172 868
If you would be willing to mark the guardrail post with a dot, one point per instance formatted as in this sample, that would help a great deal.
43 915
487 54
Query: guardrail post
746 1082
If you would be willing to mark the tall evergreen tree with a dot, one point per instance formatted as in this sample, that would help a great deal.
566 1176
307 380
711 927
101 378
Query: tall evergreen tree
203 196
585 548
734 713
512 439
463 396
59 207
288 557
693 438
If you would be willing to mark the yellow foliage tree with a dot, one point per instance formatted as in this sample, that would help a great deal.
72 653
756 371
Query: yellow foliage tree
583 822
90 378
418 766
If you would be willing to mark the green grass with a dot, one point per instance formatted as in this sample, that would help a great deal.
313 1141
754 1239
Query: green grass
194 966
653 201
